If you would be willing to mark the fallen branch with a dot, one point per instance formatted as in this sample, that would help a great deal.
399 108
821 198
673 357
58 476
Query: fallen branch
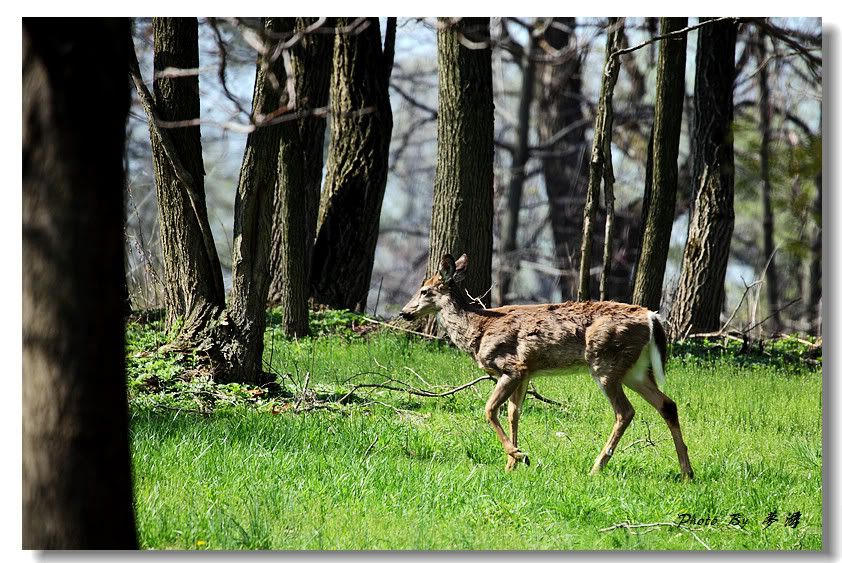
629 527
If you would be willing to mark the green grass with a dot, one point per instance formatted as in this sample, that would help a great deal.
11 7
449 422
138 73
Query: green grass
392 471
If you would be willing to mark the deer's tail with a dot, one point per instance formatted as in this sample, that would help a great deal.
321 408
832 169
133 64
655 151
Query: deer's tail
658 352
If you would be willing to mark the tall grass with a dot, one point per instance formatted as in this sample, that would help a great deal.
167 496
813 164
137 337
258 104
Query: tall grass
394 471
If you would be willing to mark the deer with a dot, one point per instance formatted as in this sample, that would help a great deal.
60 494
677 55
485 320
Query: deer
621 345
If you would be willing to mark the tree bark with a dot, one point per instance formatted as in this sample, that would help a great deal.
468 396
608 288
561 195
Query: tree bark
509 259
358 158
701 285
765 111
561 132
77 491
193 290
463 192
814 284
311 60
600 152
662 168
253 221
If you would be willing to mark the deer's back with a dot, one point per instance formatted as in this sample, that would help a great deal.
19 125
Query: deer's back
559 336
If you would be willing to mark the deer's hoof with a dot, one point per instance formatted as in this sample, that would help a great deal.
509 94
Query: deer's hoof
514 458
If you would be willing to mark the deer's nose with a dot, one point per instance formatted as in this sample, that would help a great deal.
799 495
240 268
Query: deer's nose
406 315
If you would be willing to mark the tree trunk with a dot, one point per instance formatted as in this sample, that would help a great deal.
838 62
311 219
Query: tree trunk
701 285
193 278
662 168
253 222
814 284
463 192
600 152
561 133
509 259
358 159
765 110
77 491
311 64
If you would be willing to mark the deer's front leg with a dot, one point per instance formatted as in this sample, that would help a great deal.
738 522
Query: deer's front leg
506 385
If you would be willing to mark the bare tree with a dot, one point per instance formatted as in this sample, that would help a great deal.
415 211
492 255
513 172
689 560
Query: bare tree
77 491
464 184
517 175
662 168
765 110
561 128
700 294
242 347
600 164
361 126
231 340
193 287
302 162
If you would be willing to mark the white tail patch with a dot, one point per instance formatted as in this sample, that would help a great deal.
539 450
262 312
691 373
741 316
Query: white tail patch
655 354
650 356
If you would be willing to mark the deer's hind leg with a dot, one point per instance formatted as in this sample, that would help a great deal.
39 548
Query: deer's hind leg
646 388
506 386
515 404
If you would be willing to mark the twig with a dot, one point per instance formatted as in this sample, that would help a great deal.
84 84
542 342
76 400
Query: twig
534 392
368 449
303 391
627 526
671 34
412 391
778 310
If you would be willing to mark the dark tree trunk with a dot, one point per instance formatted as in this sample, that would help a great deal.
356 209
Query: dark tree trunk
561 132
253 223
510 261
765 111
77 491
464 186
814 279
311 65
358 159
193 278
600 153
662 168
700 294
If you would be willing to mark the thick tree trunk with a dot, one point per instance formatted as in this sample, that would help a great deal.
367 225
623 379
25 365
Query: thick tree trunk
358 158
600 152
193 290
701 285
765 110
463 193
662 168
561 131
310 59
77 491
253 222
510 261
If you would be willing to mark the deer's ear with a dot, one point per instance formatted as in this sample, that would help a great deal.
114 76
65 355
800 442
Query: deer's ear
447 267
461 268
462 263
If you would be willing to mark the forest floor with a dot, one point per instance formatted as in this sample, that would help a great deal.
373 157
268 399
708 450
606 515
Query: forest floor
303 464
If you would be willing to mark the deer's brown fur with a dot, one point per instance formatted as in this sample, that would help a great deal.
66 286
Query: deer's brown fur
614 341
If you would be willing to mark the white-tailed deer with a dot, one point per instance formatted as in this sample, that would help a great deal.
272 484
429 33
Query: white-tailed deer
619 344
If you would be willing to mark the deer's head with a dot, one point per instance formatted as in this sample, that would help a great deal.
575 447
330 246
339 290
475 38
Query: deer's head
434 293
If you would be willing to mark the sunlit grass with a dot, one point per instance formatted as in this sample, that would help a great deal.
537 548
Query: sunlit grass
394 471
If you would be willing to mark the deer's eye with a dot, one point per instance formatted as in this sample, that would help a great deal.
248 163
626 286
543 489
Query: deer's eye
425 291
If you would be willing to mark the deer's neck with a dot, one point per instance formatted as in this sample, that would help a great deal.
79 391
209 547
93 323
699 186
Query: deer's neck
460 323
